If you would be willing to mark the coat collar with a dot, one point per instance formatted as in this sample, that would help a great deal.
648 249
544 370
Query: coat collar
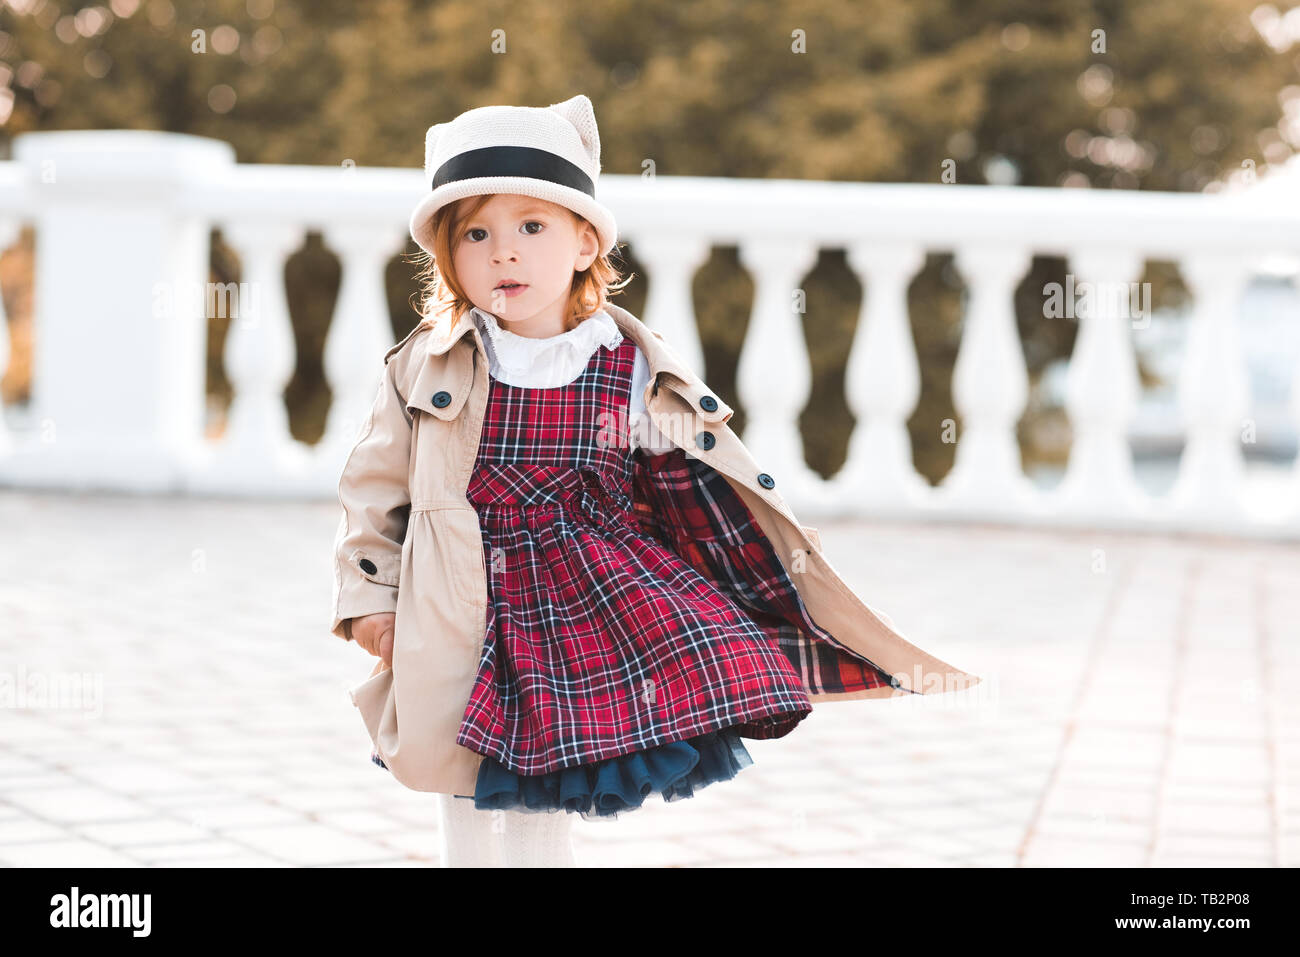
658 356
449 381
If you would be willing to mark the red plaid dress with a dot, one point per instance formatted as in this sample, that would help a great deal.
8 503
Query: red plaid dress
601 640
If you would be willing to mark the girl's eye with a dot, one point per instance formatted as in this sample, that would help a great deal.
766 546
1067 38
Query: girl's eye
470 233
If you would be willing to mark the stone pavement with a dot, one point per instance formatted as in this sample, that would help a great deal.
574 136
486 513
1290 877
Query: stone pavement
1134 710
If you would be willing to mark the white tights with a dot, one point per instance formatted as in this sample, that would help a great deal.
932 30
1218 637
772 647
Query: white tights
474 838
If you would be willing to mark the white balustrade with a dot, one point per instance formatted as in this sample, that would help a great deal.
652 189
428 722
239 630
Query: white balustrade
668 306
882 385
1213 394
990 388
123 302
774 377
1102 391
257 453
117 385
8 233
359 331
1292 516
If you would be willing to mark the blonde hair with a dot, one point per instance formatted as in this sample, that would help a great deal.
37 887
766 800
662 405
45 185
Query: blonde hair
441 293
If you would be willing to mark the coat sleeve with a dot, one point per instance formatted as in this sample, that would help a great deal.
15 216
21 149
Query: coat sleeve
376 503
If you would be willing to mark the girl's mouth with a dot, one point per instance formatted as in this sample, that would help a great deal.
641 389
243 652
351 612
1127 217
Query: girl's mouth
511 290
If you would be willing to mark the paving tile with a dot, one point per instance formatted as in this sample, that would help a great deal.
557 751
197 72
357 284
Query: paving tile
426 845
1107 828
1074 852
640 854
815 839
726 846
1243 820
64 853
358 822
307 843
174 854
70 804
1103 734
26 830
232 860
1122 803
1214 845
1195 860
153 831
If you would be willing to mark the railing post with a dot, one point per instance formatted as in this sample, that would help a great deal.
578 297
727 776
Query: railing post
990 388
118 378
1213 395
8 233
359 335
257 453
672 261
1291 513
774 376
1102 394
882 385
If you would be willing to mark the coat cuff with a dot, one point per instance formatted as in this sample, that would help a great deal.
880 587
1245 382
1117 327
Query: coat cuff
361 598
366 584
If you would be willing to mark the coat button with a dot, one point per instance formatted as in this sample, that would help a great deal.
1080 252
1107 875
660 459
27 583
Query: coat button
442 399
766 480
708 403
368 566
705 440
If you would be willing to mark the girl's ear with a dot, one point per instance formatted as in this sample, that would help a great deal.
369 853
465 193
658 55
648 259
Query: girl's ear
578 111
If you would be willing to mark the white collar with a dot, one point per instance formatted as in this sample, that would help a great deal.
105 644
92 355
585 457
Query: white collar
549 361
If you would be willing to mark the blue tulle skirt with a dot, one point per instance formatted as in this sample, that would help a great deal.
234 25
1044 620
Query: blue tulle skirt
604 789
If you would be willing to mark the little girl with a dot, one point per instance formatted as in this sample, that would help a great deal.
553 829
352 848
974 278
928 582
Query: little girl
630 636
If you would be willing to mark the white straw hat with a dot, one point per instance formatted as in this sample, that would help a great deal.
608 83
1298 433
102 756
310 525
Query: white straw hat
550 153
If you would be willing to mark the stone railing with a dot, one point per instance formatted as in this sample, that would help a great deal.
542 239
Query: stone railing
122 220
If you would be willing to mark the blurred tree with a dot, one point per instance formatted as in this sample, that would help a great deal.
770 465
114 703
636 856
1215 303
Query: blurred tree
1163 94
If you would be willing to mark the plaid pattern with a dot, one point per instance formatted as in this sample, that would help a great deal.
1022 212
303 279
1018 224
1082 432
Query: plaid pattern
600 640
690 508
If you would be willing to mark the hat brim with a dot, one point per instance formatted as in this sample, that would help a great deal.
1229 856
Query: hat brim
421 224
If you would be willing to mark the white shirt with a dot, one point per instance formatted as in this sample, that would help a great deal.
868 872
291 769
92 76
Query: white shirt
555 361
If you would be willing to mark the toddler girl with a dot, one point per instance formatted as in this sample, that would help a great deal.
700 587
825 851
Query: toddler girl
629 623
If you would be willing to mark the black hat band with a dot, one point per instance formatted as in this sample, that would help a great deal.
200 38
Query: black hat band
514 161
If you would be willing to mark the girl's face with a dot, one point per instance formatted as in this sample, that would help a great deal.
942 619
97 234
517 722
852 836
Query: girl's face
531 242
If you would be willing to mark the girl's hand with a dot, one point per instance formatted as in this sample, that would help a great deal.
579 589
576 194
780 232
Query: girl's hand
375 634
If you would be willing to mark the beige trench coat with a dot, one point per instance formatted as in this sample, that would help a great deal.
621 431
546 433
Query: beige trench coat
406 519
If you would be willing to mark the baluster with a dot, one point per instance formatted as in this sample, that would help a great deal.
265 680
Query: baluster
774 376
672 262
1213 393
1291 514
990 389
1101 396
257 451
8 234
359 335
883 385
